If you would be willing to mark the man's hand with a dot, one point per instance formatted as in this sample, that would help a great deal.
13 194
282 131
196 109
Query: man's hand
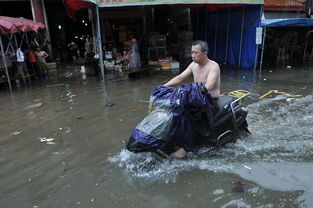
179 78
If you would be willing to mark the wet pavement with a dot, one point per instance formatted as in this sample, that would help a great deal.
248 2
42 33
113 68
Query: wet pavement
61 145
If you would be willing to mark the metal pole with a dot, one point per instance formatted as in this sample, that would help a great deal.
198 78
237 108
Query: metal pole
305 46
263 42
100 43
241 36
206 23
26 34
198 23
257 46
33 11
227 37
92 27
215 39
47 30
152 11
256 56
16 44
189 20
5 64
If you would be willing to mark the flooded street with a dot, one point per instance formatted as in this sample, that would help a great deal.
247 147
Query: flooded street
62 145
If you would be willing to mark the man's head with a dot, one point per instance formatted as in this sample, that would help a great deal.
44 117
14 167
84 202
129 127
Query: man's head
199 51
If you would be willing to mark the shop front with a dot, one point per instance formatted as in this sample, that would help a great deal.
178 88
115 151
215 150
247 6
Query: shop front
164 31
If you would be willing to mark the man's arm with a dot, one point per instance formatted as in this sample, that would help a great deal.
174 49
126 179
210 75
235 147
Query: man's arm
212 77
45 55
180 78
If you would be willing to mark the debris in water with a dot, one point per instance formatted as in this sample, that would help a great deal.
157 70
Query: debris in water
44 139
55 85
238 187
279 92
15 133
108 104
247 167
218 191
288 67
65 165
79 117
134 110
230 78
67 74
36 105
67 130
51 143
73 95
144 101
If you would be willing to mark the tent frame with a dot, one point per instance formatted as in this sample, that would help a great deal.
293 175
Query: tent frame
14 44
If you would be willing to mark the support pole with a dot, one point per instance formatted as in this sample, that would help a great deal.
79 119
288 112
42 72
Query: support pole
16 43
256 56
91 19
5 64
305 46
27 41
152 11
215 38
189 20
241 36
33 10
227 37
48 40
198 23
257 46
263 42
100 43
206 23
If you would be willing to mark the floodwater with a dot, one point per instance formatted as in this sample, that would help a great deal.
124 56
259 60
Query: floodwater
61 145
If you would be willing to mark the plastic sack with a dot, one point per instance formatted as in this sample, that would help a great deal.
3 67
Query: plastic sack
174 114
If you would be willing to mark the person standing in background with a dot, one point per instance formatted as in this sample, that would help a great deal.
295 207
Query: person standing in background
41 61
21 65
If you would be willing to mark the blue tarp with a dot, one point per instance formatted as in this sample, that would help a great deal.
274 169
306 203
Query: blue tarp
290 22
173 113
207 24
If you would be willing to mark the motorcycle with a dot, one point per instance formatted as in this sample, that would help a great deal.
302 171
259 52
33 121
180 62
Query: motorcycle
229 123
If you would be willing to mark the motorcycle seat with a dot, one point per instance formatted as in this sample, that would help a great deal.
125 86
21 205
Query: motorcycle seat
224 102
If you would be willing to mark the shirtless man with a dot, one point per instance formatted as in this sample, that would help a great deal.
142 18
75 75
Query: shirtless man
203 70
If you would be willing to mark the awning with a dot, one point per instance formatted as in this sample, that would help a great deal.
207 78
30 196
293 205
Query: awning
290 22
10 25
75 5
71 6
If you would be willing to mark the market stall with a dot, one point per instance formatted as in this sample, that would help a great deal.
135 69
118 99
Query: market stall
14 29
228 26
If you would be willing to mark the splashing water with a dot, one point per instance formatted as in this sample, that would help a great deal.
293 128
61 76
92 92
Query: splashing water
281 132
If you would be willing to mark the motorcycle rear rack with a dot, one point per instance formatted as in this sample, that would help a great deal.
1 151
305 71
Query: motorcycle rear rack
238 95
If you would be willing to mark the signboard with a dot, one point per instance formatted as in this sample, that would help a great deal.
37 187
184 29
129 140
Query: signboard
116 3
258 36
